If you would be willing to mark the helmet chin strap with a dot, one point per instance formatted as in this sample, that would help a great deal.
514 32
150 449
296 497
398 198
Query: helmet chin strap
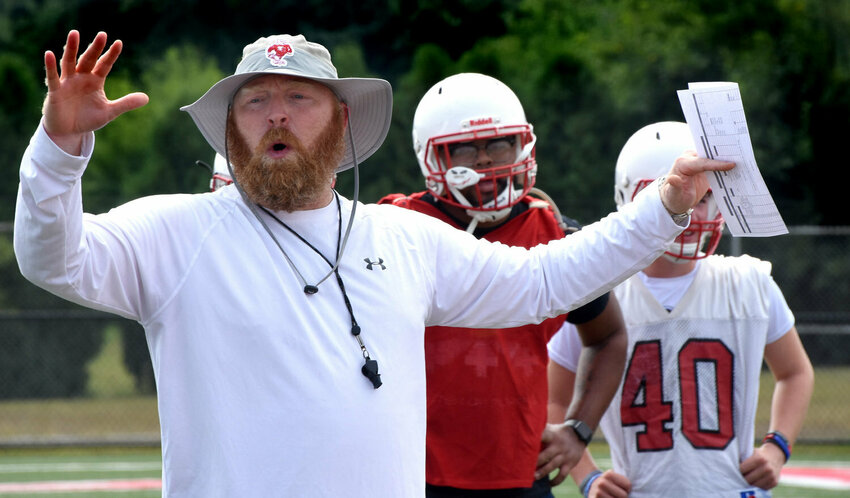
689 249
461 177
526 151
488 216
485 216
675 259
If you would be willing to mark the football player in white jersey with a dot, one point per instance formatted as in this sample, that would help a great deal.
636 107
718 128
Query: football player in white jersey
699 325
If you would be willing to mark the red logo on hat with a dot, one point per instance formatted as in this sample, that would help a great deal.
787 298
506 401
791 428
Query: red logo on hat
276 53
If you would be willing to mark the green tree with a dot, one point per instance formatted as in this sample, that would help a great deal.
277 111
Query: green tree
789 58
153 149
20 103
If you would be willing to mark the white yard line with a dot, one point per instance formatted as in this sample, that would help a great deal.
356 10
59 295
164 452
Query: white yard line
21 468
86 485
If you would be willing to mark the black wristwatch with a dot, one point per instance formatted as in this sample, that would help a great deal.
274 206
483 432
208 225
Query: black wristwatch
581 429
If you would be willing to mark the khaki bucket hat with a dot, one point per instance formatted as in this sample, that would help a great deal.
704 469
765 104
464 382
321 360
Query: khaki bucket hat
370 100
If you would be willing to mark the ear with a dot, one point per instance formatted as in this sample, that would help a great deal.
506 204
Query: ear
345 111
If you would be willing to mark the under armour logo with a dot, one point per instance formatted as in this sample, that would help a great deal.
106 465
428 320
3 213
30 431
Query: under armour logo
370 263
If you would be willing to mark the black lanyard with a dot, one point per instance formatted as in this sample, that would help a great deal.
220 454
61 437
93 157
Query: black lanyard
370 367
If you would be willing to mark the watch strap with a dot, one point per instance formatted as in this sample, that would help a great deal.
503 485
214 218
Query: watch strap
680 219
582 430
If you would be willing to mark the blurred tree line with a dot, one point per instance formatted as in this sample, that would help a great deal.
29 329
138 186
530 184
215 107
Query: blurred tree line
589 73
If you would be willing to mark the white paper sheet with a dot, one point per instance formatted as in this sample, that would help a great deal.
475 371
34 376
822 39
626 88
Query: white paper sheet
715 114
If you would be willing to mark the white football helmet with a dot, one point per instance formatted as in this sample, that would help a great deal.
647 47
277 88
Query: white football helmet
470 107
648 154
221 175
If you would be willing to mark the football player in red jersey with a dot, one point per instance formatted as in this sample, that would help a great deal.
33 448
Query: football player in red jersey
487 391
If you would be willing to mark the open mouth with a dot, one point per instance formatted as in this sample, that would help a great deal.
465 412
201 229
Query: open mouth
277 149
486 187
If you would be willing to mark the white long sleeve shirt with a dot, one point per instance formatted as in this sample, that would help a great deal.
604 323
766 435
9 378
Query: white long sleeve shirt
259 384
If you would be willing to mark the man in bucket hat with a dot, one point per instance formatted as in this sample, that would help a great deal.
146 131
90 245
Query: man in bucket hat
273 378
295 56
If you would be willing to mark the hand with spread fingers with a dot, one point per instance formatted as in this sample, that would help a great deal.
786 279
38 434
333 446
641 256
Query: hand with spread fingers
76 102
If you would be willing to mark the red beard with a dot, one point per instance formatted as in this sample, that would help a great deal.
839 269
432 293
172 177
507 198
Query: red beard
291 183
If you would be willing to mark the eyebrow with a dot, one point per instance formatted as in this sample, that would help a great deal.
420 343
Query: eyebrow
293 84
262 83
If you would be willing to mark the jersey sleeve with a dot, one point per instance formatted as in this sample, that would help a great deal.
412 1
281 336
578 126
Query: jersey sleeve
589 311
565 347
781 316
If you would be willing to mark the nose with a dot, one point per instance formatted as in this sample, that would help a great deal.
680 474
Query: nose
482 159
278 113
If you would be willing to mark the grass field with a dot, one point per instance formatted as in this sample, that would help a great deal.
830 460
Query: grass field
113 413
21 466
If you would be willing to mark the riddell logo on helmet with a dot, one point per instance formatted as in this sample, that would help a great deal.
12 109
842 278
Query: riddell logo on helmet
480 121
276 53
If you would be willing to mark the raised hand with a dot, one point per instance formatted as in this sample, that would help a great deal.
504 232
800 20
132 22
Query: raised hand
76 102
686 184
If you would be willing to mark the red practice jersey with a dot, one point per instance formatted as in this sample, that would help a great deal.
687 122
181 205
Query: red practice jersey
487 389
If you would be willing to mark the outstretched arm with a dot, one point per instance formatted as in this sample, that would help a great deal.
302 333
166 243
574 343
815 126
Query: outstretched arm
76 102
56 249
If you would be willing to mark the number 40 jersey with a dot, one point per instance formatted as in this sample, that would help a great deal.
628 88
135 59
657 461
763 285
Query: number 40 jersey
683 418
